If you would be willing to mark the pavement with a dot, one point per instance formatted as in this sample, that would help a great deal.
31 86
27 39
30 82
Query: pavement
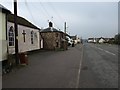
48 69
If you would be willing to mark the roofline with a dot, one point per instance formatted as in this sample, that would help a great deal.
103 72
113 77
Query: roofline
33 26
49 31
4 10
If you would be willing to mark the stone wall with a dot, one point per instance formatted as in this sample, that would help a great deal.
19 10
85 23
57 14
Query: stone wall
52 40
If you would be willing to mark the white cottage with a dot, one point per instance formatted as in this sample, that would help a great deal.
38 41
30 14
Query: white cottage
29 37
101 40
3 29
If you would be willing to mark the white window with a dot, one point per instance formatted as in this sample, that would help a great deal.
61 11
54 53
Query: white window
11 36
32 37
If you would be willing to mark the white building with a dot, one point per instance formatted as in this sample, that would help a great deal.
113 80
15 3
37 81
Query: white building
90 40
3 29
101 40
74 38
29 37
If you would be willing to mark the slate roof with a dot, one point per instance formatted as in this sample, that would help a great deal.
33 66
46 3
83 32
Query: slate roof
53 30
21 21
49 30
3 9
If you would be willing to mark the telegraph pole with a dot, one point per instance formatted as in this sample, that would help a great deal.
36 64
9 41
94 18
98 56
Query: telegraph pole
16 32
65 27
65 43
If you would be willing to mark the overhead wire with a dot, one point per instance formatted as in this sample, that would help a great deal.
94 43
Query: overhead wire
41 11
56 11
26 4
35 7
47 15
61 19
44 8
50 16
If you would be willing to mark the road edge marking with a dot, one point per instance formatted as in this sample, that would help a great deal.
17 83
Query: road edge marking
106 51
109 52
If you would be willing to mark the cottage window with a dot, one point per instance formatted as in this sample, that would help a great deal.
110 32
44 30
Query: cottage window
32 37
11 36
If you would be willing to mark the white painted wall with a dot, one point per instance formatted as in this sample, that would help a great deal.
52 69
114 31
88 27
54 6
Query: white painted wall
75 41
25 46
101 40
41 43
95 41
78 40
3 42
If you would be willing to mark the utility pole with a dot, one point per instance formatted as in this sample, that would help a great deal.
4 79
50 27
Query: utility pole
65 28
65 43
16 32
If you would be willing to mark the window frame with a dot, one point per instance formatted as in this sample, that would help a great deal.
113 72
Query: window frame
11 37
32 37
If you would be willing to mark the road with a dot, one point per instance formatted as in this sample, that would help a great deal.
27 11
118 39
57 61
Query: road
99 66
48 69
82 66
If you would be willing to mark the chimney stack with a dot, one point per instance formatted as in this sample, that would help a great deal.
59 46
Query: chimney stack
50 24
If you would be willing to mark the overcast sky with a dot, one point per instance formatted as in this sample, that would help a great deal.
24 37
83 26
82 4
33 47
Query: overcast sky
85 19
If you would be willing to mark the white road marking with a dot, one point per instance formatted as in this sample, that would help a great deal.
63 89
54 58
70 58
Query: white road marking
100 49
105 51
78 77
109 52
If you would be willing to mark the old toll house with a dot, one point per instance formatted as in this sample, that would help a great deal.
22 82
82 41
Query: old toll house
53 39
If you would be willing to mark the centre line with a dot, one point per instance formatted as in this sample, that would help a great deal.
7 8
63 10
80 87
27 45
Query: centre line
78 77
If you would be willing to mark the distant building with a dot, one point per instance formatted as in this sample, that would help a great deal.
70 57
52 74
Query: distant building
91 40
75 39
53 39
78 40
109 40
101 40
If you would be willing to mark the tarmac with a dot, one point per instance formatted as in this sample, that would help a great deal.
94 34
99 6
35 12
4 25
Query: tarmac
47 69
